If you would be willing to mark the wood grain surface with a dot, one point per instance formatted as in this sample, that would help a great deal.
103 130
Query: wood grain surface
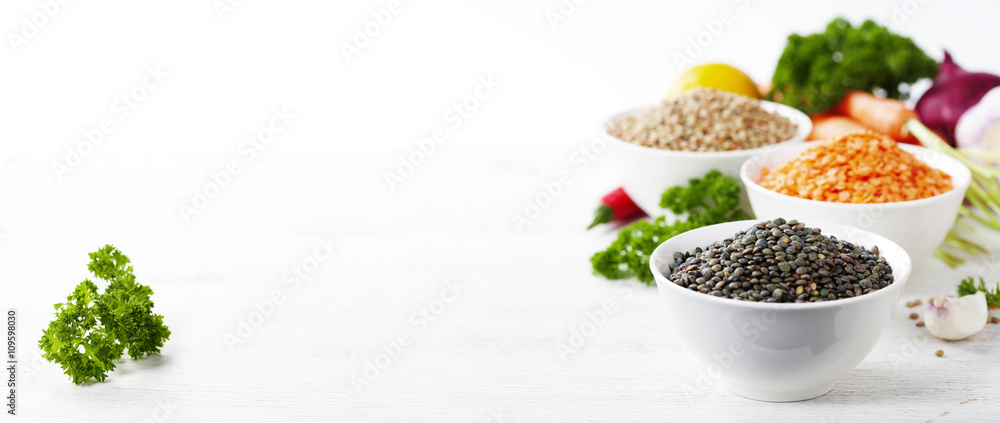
309 288
483 314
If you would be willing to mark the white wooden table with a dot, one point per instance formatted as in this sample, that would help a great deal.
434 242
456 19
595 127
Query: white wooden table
489 346
432 306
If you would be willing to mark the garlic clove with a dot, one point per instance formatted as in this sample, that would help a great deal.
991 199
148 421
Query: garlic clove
956 318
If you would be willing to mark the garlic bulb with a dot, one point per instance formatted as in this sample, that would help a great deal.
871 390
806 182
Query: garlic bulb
956 318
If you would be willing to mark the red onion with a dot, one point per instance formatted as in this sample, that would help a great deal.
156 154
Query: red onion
953 92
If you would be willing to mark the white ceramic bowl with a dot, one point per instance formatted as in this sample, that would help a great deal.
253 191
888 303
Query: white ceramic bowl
646 172
778 352
918 225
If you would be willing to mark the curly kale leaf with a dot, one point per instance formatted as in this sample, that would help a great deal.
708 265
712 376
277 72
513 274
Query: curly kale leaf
714 198
816 71
92 330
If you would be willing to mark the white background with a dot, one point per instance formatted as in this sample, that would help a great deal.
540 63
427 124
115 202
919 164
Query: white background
491 354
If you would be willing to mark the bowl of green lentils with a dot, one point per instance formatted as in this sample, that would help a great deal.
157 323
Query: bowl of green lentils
778 310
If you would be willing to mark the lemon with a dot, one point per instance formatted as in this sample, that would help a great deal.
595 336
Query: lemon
715 75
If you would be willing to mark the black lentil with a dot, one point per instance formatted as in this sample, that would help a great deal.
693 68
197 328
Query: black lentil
779 261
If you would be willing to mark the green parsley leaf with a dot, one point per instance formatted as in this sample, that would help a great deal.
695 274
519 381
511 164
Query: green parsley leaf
816 71
91 330
714 198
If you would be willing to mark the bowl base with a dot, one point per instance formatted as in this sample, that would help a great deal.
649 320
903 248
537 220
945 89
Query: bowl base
768 394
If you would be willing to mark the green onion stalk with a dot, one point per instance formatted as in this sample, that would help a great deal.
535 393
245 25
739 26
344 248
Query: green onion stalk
982 199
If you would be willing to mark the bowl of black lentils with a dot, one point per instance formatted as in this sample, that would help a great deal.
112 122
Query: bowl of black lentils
777 310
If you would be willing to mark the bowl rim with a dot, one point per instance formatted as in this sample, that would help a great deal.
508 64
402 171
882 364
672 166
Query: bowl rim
964 176
899 280
797 116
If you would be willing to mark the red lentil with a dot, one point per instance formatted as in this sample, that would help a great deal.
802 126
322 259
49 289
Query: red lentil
861 167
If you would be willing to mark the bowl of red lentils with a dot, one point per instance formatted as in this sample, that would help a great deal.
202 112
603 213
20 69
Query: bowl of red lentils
906 193
665 145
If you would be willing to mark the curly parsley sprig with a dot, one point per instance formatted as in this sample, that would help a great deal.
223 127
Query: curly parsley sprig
816 71
92 330
714 198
